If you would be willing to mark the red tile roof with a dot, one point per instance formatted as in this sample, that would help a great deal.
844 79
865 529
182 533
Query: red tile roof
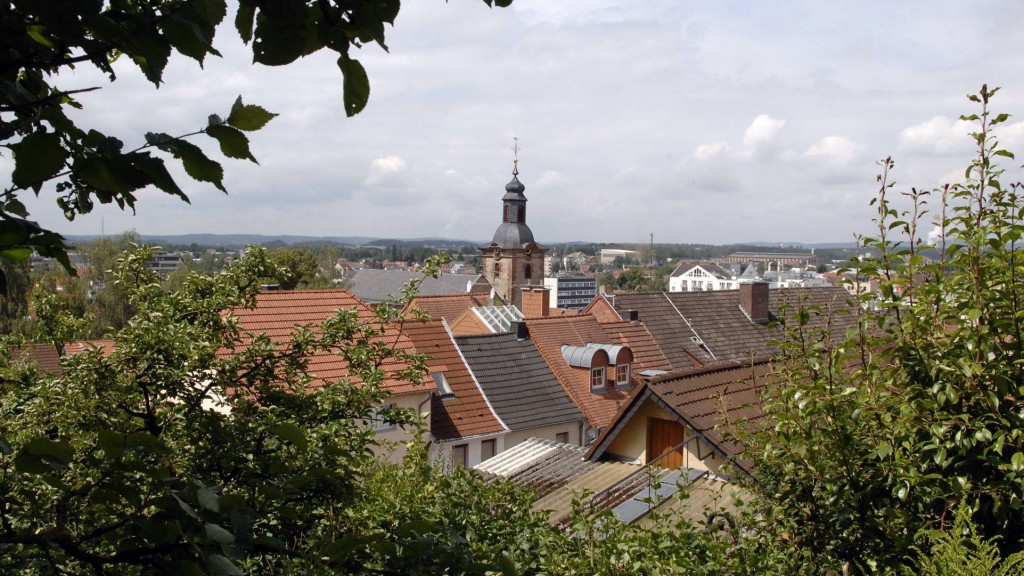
550 334
447 306
106 347
468 413
278 313
42 355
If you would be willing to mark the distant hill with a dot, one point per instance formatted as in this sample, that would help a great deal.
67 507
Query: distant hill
242 240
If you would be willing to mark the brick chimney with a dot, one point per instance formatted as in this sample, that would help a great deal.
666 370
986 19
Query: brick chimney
754 301
536 301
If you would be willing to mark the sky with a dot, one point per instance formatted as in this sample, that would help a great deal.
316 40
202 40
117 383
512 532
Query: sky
699 122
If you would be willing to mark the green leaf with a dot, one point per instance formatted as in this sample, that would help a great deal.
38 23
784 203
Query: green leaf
158 175
110 176
248 117
37 158
1017 461
292 433
112 443
356 85
218 534
280 32
233 143
197 165
208 498
244 19
42 455
221 565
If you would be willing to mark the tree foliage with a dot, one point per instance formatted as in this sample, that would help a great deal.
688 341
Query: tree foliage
881 436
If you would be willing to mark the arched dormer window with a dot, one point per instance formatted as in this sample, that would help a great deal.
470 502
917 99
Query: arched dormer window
605 362
506 214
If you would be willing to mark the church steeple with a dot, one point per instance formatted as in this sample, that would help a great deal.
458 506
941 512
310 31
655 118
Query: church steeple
513 260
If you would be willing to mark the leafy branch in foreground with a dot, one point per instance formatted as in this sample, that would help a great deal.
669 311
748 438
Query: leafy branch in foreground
879 437
41 41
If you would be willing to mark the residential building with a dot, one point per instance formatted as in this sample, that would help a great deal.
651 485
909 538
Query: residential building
513 259
521 388
464 426
571 292
595 363
692 276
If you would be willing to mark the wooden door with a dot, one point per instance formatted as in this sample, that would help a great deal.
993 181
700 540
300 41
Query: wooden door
662 436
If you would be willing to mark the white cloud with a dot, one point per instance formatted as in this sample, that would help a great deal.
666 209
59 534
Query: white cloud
762 130
838 149
384 171
709 151
1011 137
550 178
940 135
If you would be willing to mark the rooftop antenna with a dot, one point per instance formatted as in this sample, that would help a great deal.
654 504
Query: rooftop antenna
652 250
515 156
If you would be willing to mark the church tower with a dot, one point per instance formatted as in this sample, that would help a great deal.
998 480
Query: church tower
513 261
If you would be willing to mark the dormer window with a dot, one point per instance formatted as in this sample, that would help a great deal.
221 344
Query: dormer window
622 375
597 379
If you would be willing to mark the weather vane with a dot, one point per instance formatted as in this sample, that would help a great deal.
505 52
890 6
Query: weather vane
515 156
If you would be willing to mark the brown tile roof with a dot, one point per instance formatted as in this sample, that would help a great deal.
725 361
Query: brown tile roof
43 356
675 319
706 400
447 306
277 314
645 348
550 334
468 413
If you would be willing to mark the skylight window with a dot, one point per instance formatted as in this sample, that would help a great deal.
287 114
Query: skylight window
443 387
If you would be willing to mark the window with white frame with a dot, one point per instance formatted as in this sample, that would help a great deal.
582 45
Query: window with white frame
597 379
622 375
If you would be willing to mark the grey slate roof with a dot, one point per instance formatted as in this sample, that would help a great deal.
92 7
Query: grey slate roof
685 266
371 285
517 381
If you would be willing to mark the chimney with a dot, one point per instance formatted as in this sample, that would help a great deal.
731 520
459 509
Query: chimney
754 301
634 316
536 302
518 327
